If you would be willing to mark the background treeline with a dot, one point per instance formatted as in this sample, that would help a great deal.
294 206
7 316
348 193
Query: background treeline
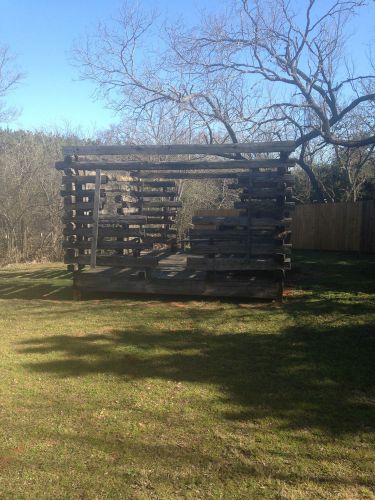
30 202
30 206
257 71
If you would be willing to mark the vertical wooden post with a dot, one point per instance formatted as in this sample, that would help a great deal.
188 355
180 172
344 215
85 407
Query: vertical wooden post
95 215
249 215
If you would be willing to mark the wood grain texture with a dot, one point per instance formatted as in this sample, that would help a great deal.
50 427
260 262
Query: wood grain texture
345 227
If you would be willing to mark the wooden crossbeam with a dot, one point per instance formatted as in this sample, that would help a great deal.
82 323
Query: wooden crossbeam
178 149
177 165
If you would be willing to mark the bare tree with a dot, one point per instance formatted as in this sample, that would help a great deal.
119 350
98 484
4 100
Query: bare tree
301 55
30 201
136 69
261 70
10 76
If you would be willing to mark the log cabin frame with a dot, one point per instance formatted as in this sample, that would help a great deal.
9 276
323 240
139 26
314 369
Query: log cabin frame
134 249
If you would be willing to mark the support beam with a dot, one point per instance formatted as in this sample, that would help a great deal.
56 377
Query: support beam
178 149
176 165
95 215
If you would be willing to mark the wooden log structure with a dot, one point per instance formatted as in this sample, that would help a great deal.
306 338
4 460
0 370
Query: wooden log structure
120 215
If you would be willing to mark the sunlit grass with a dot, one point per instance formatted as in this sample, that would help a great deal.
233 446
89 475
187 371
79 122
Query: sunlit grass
145 398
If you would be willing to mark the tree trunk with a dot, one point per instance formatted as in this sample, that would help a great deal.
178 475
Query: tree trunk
316 185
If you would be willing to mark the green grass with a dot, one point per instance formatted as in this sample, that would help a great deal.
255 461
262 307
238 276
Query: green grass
144 398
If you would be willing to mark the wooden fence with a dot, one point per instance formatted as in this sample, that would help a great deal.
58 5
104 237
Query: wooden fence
348 227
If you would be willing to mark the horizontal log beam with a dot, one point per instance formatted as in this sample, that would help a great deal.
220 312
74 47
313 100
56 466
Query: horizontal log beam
151 194
82 179
109 245
153 213
258 208
237 221
217 234
270 176
144 166
118 232
143 262
154 184
124 219
263 193
231 264
188 175
102 282
82 193
239 248
177 149
83 205
154 204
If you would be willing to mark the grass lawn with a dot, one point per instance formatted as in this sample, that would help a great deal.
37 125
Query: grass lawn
193 399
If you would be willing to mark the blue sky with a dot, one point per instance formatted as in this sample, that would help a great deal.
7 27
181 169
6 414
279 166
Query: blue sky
41 33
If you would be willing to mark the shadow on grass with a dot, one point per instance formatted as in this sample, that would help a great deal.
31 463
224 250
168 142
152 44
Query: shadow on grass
314 370
40 284
340 272
316 375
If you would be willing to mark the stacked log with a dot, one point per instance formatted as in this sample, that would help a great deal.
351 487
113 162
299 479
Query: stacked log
144 221
78 191
254 238
124 215
158 202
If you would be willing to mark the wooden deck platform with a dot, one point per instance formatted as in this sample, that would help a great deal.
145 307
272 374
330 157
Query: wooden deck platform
172 277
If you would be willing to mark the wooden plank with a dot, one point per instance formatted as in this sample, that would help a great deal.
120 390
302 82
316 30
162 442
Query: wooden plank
265 205
152 184
151 194
262 193
159 230
123 219
239 248
83 179
109 245
143 262
273 176
177 149
80 219
216 220
158 221
106 282
95 215
135 166
118 232
154 213
160 239
189 175
218 234
222 212
231 264
82 193
238 221
120 219
83 205
268 176
243 239
154 204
